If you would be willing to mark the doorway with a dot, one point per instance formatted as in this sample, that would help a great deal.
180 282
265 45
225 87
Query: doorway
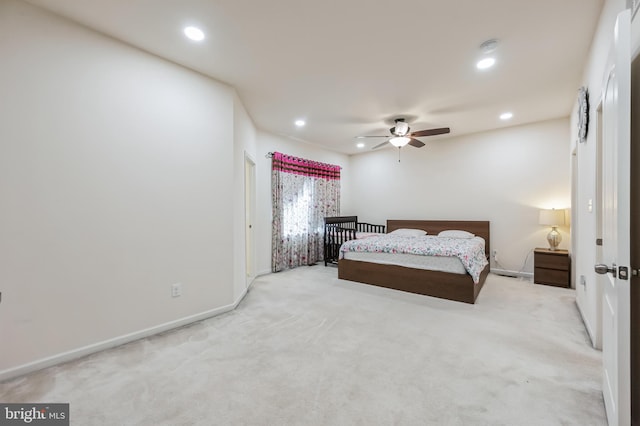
249 217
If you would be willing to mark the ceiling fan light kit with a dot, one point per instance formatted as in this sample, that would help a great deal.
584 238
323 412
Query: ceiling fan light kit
399 141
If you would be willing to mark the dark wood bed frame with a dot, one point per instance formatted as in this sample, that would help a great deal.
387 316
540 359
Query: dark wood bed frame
458 287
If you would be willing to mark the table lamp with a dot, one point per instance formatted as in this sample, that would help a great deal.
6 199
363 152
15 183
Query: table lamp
553 218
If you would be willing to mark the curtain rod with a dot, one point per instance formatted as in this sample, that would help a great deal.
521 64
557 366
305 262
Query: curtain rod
304 160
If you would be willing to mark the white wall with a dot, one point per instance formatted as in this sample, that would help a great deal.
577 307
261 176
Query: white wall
588 296
504 176
114 179
266 143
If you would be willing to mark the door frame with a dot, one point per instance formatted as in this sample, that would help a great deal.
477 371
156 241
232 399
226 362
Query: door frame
634 189
249 218
634 193
599 205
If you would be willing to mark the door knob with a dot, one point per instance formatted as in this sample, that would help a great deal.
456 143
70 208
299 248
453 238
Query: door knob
603 269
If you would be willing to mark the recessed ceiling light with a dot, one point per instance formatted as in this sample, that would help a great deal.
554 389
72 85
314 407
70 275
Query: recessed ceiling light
194 33
300 123
506 116
485 63
360 145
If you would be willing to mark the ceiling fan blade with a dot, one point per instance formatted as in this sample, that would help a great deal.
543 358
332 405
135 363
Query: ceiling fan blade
416 143
431 132
382 144
362 137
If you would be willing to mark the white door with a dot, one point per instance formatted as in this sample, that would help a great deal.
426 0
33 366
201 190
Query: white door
616 113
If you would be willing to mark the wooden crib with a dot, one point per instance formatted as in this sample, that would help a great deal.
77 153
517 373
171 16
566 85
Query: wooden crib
339 229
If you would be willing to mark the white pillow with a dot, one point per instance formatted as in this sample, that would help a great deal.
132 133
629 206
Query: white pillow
405 232
455 233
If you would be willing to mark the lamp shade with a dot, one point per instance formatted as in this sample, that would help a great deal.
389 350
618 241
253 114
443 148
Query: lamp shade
551 217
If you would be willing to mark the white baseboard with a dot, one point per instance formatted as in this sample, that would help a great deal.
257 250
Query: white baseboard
587 325
263 272
63 357
514 274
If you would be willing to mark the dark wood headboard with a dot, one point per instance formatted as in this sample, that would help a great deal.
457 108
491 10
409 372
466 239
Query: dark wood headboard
433 227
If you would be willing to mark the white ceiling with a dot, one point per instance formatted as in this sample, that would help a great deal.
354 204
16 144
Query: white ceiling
349 67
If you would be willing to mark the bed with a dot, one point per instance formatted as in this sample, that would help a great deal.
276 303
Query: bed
446 285
339 229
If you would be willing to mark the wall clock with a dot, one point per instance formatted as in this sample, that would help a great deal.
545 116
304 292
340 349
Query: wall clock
583 113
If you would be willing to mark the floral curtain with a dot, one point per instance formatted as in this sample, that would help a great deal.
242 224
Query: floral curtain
303 193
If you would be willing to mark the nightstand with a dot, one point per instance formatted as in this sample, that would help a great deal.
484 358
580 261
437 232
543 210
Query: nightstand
552 267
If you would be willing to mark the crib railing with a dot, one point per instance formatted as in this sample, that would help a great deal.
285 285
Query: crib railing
340 229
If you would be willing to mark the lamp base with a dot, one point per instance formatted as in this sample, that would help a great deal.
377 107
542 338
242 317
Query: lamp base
554 238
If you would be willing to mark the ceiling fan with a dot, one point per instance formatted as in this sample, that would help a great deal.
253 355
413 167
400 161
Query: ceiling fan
400 135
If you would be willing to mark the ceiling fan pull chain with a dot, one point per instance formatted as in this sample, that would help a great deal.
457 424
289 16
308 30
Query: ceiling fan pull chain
399 148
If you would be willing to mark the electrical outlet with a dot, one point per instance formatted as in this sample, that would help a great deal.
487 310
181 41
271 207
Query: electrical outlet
495 255
176 290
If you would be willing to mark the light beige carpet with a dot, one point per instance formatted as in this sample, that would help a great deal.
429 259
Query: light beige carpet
305 348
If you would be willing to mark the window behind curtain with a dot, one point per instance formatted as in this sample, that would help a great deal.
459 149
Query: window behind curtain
304 192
